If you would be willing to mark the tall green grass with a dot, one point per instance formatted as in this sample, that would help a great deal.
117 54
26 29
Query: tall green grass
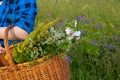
107 10
106 66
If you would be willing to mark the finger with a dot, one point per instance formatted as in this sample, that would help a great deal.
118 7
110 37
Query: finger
2 51
1 48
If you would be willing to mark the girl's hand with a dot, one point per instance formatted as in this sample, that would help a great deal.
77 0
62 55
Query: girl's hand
2 50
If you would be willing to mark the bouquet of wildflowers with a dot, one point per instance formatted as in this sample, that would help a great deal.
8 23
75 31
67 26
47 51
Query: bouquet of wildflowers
46 39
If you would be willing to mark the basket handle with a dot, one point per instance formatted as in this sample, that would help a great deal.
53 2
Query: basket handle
10 60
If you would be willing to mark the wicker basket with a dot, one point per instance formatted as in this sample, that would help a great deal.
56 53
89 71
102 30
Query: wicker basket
53 69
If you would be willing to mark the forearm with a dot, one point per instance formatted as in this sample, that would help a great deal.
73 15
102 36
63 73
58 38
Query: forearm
15 33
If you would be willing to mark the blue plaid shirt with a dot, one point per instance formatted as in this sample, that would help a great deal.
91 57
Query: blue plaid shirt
19 13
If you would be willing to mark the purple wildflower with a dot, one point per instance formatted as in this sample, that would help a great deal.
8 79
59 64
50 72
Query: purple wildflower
85 22
98 26
83 32
48 15
67 59
80 18
93 20
58 23
111 47
105 45
95 42
115 38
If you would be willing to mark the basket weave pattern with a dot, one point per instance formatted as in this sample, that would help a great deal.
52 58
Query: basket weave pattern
52 69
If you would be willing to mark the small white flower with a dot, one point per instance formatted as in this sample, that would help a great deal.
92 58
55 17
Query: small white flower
68 30
52 29
70 38
59 35
77 33
32 54
75 23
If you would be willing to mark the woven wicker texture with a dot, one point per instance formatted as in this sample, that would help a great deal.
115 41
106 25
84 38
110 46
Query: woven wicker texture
42 69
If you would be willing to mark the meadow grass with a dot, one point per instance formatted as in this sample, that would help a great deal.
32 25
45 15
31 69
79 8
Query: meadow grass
107 10
84 66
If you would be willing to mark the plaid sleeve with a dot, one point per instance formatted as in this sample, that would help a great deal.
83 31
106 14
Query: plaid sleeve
26 11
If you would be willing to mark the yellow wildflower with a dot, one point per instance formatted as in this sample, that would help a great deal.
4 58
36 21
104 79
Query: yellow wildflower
6 56
18 49
35 49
